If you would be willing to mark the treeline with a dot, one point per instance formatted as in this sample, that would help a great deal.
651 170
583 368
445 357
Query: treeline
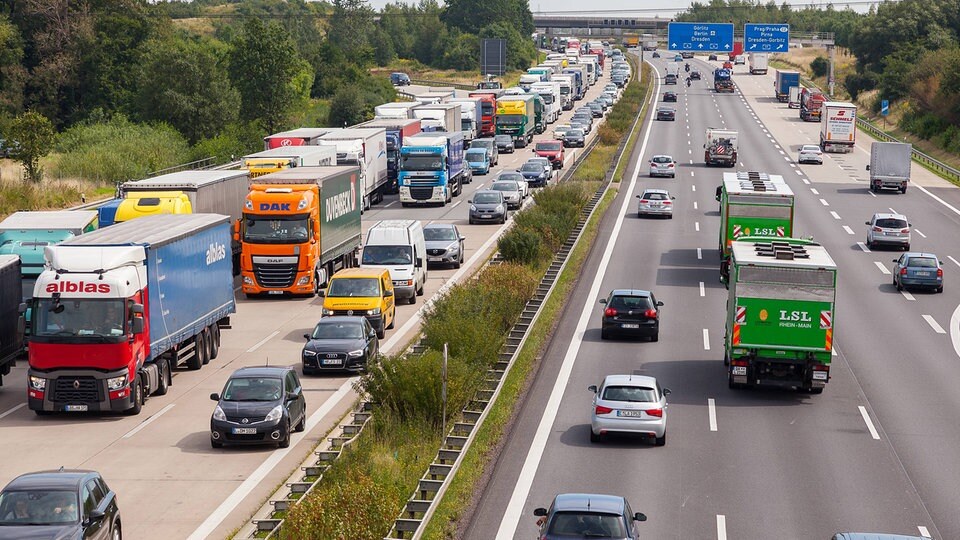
907 52
222 73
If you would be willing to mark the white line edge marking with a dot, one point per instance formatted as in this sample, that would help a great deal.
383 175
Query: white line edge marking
923 531
907 295
882 267
262 341
703 291
706 339
721 527
13 410
712 411
848 229
147 422
863 247
521 490
869 422
834 214
934 324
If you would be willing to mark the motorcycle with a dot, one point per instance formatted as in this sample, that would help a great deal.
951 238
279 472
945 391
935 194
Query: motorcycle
686 67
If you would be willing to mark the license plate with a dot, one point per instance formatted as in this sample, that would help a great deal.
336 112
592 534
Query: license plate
485 216
433 259
630 413
739 370
923 273
76 408
819 375
629 325
244 431
332 361
274 292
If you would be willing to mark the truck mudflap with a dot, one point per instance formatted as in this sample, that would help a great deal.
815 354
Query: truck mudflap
801 374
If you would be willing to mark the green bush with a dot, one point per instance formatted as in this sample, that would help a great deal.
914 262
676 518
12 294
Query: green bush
522 246
820 66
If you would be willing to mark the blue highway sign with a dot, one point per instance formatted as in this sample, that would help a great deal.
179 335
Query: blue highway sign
885 107
700 37
766 37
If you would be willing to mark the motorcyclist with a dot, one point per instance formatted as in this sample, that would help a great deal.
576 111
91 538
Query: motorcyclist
686 66
688 82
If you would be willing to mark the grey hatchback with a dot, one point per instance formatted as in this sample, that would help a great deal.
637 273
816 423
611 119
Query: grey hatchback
258 405
585 515
487 206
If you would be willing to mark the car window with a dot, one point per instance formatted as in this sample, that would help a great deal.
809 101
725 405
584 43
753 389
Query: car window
38 506
891 223
630 302
654 196
922 262
291 382
89 504
549 146
96 490
439 233
575 132
360 287
252 389
505 186
633 394
587 524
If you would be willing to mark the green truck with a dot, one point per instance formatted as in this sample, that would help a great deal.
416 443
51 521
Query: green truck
516 117
780 312
752 204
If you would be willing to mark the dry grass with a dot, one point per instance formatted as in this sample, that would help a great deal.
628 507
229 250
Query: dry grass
202 26
416 70
800 59
52 194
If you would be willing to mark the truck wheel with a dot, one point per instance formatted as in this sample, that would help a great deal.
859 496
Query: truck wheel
214 340
420 290
136 395
208 343
726 359
903 189
196 359
165 378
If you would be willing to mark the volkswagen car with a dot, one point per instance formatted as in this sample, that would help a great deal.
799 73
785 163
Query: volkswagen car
487 206
920 270
630 312
655 202
663 165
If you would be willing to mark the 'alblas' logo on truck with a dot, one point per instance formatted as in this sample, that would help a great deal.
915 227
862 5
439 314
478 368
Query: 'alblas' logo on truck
64 286
216 252
342 203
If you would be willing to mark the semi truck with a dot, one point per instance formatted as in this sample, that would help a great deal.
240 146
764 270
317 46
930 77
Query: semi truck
577 84
793 100
722 80
527 80
737 50
811 104
398 130
11 313
838 127
470 121
432 168
890 165
752 204
582 82
544 73
516 117
439 117
294 137
780 313
366 149
566 91
758 63
288 157
395 110
549 92
783 81
488 110
117 309
436 95
720 147
299 226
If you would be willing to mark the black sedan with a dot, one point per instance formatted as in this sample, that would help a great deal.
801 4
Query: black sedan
534 174
259 405
63 504
712 57
695 75
670 96
630 312
573 138
666 113
504 143
340 343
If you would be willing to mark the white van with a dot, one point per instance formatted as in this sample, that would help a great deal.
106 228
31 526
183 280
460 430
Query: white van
398 245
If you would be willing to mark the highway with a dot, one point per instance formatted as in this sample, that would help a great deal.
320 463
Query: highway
164 456
877 451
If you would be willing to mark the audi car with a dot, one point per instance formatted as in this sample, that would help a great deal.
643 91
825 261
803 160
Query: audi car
629 404
341 343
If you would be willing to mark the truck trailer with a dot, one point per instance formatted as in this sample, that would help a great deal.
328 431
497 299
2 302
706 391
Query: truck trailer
470 121
299 227
811 104
398 129
488 110
11 313
432 168
780 312
549 92
783 81
395 110
288 157
439 117
890 165
366 149
294 137
758 63
117 309
723 80
516 116
720 147
838 127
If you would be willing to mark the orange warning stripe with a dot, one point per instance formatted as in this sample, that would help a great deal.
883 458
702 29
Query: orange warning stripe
736 334
829 340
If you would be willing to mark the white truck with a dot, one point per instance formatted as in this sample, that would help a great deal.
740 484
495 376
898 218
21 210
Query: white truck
793 99
890 165
673 68
438 116
720 147
436 95
758 63
395 110
527 80
566 91
470 120
550 93
838 126
593 66
367 149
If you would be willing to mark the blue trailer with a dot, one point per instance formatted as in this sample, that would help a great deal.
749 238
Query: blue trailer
579 86
784 80
398 130
119 308
432 168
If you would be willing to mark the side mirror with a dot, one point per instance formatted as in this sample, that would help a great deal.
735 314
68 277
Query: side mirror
95 516
540 512
659 304
22 308
639 197
215 396
462 238
137 309
306 336
419 263
387 294
236 231
291 396
866 222
592 388
136 325
639 517
868 167
603 300
469 201
667 392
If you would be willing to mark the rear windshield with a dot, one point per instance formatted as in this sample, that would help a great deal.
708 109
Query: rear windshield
655 196
586 525
531 167
635 394
662 159
575 133
630 302
516 177
922 262
891 223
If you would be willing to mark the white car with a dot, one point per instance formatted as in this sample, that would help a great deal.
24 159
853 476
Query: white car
655 202
633 404
810 153
740 60
559 130
663 165
516 177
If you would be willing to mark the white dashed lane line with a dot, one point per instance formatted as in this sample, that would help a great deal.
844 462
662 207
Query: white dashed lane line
907 295
696 225
920 233
706 339
869 423
700 254
805 181
814 191
956 262
883 269
924 531
824 202
712 413
863 247
703 291
848 229
721 527
835 215
934 324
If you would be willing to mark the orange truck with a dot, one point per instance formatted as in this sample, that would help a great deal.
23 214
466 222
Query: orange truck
299 226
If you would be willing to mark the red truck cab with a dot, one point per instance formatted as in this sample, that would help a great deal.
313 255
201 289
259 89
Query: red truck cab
552 150
488 110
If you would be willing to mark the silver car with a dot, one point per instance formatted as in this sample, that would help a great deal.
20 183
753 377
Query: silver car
663 165
511 192
655 202
633 404
444 244
516 177
885 229
810 153
487 206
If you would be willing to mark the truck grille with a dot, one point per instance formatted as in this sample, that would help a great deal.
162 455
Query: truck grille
76 389
350 312
275 275
421 193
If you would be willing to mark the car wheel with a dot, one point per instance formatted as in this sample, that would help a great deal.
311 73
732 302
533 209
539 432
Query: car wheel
655 337
215 444
661 441
420 290
302 424
285 441
604 334
940 289
899 286
470 221
894 280
117 532
906 247
392 321
458 262
381 333
903 189
594 437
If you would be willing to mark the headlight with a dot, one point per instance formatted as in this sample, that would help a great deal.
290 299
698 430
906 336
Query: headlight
116 383
303 280
473 208
355 354
499 208
326 311
218 414
38 383
275 414
309 353
454 247
247 280
374 311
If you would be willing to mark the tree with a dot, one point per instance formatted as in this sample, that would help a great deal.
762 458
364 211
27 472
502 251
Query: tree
350 26
346 107
12 74
34 134
472 15
184 84
262 66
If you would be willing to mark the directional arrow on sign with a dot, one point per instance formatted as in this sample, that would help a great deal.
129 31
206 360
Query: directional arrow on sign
725 46
701 45
753 45
673 45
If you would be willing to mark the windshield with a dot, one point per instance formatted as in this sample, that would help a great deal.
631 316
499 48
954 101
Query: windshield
466 124
421 163
505 186
487 109
482 143
476 154
338 330
516 177
252 389
510 119
38 507
69 318
575 133
655 196
505 139
439 233
387 255
586 525
275 229
353 287
564 90
548 146
547 98
531 167
486 198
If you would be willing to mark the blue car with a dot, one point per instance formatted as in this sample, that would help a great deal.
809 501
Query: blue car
915 269
479 160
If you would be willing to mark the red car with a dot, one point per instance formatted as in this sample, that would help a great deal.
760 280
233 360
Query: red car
552 150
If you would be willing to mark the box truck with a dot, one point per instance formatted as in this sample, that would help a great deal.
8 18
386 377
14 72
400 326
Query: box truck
838 127
397 129
294 137
287 157
366 149
720 147
783 81
439 117
470 121
758 63
890 165
395 110
432 168
516 116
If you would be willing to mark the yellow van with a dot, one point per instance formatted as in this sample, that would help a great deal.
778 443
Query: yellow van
362 291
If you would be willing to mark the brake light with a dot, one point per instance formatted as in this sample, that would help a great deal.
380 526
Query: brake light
644 201
939 272
603 410
655 412
877 229
903 271
670 165
904 230
651 313
610 312
666 203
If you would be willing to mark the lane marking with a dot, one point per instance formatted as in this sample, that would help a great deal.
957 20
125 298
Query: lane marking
706 339
814 191
721 527
694 205
805 181
872 194
262 341
691 174
920 233
702 291
956 262
13 410
696 225
892 211
693 188
883 269
147 422
700 255
712 411
388 205
848 229
863 247
934 324
480 185
923 531
834 214
824 202
799 172
454 205
869 422
907 295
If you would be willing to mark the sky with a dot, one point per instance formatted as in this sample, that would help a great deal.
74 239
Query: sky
644 8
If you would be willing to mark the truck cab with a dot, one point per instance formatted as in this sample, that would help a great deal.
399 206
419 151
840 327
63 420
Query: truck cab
149 203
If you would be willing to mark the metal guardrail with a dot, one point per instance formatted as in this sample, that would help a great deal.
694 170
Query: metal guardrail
930 162
458 86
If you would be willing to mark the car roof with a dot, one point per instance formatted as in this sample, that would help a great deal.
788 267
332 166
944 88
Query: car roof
566 502
888 215
629 292
51 479
360 273
439 226
261 371
479 191
537 159
810 146
630 380
341 318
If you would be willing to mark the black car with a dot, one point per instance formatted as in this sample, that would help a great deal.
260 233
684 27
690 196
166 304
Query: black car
695 75
670 96
258 405
666 113
534 174
504 143
596 109
712 57
63 504
631 312
399 79
340 343
573 138
656 54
